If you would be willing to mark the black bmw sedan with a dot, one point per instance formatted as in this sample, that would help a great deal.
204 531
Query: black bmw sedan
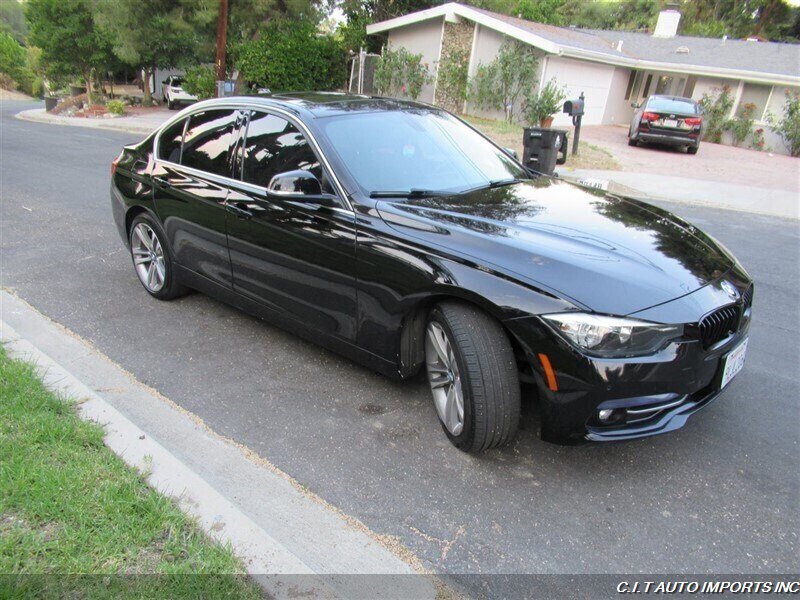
396 234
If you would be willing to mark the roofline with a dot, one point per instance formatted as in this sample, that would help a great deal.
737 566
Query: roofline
452 9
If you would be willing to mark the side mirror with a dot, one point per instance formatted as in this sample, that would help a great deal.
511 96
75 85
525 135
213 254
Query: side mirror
295 184
511 152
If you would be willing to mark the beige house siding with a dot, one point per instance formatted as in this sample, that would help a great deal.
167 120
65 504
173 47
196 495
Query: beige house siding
421 38
618 108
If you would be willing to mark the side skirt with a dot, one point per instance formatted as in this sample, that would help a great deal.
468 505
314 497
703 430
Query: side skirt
327 341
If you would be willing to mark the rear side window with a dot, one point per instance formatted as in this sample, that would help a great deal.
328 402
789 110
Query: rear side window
671 105
208 140
273 145
169 144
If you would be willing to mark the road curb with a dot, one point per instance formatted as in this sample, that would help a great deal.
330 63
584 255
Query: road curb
277 553
39 115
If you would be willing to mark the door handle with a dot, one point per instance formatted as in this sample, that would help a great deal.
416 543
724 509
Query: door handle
240 212
162 182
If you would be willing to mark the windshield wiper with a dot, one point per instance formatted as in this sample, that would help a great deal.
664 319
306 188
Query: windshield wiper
412 193
496 183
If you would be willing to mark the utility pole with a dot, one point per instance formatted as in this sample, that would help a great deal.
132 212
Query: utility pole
222 41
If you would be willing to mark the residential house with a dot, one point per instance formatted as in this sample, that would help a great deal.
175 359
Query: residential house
614 69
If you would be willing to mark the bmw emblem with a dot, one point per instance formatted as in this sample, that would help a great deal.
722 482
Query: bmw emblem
729 289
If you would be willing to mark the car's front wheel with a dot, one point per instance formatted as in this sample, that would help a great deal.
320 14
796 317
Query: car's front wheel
152 259
473 377
693 149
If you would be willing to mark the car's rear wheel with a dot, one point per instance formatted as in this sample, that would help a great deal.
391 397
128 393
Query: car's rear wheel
693 149
152 259
473 377
632 142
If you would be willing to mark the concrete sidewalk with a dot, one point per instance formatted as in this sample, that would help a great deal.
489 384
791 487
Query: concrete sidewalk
649 186
292 540
135 123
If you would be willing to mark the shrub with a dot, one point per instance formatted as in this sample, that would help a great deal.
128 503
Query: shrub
290 56
741 126
545 103
400 73
116 107
788 126
507 82
716 108
12 59
200 81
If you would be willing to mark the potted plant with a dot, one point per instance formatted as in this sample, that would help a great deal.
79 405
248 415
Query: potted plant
544 104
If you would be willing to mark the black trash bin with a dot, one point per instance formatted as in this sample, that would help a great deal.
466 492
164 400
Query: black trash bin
543 148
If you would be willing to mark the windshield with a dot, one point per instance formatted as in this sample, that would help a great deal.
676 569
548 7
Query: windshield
672 105
416 149
177 81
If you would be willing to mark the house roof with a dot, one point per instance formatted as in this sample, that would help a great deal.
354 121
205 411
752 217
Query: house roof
765 62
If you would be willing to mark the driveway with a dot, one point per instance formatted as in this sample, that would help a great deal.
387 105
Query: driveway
721 496
714 162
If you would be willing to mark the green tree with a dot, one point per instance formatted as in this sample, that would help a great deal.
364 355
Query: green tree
290 55
72 44
360 13
507 82
12 20
151 33
788 124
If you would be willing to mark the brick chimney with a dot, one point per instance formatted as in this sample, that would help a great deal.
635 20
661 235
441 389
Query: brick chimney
667 25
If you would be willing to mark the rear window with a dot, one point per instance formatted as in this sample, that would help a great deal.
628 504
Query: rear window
672 105
177 81
169 144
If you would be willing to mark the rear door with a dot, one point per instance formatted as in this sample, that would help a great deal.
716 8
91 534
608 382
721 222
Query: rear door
294 256
190 180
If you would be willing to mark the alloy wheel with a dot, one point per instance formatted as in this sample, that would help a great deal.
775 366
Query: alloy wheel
444 378
148 257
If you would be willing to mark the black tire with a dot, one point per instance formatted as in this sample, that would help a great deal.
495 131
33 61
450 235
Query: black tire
693 149
489 376
172 287
632 142
170 104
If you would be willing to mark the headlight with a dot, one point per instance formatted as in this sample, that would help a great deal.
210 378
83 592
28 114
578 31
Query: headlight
612 337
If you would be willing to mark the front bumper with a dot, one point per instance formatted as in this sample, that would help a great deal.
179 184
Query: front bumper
648 395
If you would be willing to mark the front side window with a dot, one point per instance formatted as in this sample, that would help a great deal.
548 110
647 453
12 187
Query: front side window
208 139
403 150
169 143
274 145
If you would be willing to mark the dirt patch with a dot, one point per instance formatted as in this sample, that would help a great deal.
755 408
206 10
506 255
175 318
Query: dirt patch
372 409
13 95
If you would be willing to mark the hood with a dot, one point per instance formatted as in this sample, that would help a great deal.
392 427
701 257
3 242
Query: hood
611 255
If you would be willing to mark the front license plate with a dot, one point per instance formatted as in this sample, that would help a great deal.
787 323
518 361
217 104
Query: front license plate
670 123
734 362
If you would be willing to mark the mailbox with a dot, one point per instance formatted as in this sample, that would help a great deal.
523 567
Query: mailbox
574 108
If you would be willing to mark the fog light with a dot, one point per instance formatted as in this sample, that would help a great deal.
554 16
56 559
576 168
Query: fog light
605 414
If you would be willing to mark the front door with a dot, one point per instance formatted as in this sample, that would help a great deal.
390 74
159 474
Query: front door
296 257
194 156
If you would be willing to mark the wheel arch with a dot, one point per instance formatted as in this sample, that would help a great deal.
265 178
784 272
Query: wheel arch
415 320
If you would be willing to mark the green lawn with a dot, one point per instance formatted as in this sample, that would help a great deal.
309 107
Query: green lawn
509 135
68 505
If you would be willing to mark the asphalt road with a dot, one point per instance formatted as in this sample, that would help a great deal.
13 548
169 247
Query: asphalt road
719 496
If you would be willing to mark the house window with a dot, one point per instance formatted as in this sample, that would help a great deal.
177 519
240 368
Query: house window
631 80
756 94
688 91
647 83
664 85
